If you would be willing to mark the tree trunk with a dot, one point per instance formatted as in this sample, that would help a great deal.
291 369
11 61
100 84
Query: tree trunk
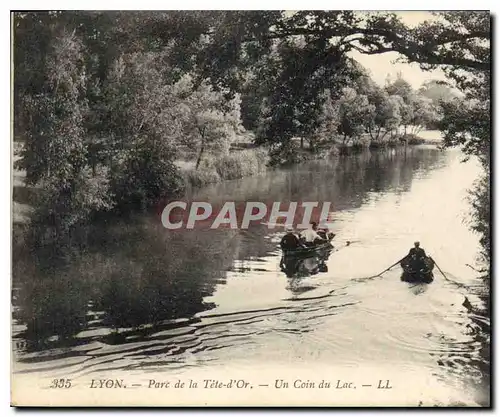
202 149
311 144
370 132
200 155
301 142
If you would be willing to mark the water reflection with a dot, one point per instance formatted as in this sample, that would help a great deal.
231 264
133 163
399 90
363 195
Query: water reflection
135 295
418 289
467 356
297 267
133 272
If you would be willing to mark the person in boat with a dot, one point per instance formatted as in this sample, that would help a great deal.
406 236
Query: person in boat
290 241
416 257
325 234
417 252
310 237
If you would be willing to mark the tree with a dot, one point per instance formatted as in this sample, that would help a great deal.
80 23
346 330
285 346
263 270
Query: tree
285 60
328 121
456 41
142 130
295 105
438 91
54 113
354 110
396 104
209 122
424 113
54 154
384 114
416 111
229 44
295 99
465 123
402 88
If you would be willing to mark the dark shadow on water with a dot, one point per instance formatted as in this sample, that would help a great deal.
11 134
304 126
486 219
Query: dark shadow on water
133 274
297 268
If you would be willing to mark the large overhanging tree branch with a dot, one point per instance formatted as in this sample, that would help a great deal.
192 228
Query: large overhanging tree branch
453 38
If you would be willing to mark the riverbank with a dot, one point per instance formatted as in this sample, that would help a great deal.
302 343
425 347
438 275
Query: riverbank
239 163
243 160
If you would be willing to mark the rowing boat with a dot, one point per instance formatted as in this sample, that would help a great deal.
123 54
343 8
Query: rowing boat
422 273
305 251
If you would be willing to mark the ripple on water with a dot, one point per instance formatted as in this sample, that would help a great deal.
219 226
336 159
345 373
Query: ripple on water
260 316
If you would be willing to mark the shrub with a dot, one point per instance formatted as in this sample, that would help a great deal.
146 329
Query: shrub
377 145
202 176
334 151
361 142
241 164
413 139
62 206
142 178
235 165
287 153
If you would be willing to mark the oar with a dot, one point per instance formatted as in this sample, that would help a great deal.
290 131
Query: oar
347 243
481 271
435 263
385 270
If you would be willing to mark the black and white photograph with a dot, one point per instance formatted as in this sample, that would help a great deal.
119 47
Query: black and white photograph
250 208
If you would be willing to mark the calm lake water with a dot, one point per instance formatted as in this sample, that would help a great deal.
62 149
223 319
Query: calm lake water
139 297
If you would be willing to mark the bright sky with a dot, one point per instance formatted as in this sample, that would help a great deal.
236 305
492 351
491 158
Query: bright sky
383 64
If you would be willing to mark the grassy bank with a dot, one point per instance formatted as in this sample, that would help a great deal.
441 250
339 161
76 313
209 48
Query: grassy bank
336 145
237 164
243 160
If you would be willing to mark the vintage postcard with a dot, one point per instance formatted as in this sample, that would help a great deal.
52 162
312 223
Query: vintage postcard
251 208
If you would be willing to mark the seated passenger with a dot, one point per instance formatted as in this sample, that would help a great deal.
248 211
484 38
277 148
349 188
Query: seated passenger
290 241
417 252
325 234
416 257
310 236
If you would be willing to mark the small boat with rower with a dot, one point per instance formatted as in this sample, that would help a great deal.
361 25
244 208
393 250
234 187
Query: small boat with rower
308 250
417 271
304 250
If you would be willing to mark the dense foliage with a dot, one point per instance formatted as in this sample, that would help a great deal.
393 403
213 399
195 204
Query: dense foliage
108 103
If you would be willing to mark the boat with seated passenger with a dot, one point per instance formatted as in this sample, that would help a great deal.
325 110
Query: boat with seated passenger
417 271
310 250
